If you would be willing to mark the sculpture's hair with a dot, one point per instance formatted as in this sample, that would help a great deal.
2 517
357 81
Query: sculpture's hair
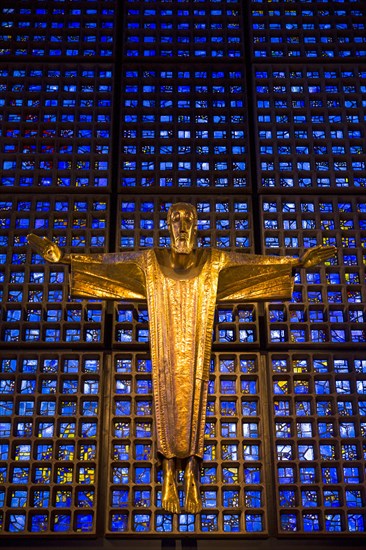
178 205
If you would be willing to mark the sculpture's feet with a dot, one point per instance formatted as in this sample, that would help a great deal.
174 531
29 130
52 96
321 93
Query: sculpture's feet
193 502
170 499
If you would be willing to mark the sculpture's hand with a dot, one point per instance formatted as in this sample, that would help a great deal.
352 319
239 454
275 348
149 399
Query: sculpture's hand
45 248
317 255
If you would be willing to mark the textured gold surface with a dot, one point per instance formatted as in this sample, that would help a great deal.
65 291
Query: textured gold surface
181 286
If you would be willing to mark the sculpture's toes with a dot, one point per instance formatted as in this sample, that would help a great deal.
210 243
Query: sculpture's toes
193 507
171 505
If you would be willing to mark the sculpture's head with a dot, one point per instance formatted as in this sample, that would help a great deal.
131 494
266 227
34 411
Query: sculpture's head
182 224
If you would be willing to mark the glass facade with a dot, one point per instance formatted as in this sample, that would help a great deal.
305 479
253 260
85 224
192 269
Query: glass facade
254 112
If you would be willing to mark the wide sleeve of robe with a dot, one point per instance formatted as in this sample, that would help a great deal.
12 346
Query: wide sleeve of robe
251 277
114 276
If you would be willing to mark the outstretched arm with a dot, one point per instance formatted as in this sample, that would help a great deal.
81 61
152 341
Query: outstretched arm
47 249
316 255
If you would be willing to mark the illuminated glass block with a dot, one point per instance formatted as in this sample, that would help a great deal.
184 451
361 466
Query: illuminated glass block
284 451
18 499
67 429
46 408
17 523
249 408
20 475
64 475
327 451
186 523
285 474
333 522
354 498
141 522
351 474
22 452
289 522
230 498
143 451
209 522
122 429
84 522
252 475
40 498
287 498
142 498
230 475
309 498
228 408
253 523
227 386
86 475
121 451
164 523
208 475
209 498
61 522
232 522
283 429
124 386
347 429
250 429
330 475
311 521
89 408
325 429
69 386
349 452
88 429
68 408
356 522
119 522
123 365
142 475
4 451
143 429
39 523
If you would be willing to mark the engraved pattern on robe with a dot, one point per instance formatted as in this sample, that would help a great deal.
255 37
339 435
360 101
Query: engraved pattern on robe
181 313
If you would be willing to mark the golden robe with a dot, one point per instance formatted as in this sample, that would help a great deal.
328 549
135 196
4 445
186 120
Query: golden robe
181 314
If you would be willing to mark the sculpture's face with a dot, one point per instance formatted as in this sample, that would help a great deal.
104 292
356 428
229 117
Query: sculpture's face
182 221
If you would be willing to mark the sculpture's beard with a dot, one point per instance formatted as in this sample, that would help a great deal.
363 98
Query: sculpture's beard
182 246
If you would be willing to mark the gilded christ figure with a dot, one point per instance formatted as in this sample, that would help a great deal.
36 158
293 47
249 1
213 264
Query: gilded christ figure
181 285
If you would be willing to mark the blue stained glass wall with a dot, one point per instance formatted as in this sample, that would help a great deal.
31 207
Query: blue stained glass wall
55 126
254 112
233 474
184 128
36 302
319 430
50 420
78 29
328 302
310 127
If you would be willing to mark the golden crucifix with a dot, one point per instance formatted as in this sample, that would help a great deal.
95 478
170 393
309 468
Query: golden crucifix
181 285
